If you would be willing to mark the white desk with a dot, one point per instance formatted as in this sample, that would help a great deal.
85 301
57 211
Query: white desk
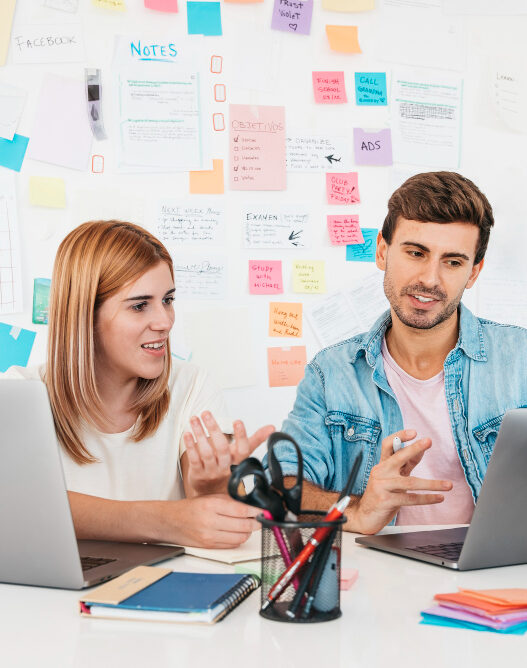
42 628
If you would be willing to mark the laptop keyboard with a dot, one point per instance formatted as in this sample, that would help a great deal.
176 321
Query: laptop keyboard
450 551
92 562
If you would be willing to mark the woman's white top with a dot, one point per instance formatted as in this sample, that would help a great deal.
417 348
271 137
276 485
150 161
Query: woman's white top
148 469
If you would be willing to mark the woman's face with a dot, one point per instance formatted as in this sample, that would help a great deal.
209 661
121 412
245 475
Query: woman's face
132 327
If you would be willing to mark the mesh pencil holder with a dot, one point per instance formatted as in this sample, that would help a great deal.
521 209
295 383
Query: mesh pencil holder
323 589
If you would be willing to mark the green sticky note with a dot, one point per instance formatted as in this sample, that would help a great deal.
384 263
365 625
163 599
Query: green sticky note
41 300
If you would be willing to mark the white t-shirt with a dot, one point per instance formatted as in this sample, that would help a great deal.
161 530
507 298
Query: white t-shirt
148 469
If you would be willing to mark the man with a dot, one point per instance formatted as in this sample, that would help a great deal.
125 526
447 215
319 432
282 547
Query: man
428 372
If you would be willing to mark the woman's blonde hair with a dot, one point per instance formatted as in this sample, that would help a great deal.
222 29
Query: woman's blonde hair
93 262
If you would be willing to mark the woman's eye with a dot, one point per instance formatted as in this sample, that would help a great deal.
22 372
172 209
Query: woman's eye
138 307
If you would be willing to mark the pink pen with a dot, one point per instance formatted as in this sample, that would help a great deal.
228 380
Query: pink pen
281 546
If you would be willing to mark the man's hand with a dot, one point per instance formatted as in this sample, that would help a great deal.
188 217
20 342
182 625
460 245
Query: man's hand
390 485
209 459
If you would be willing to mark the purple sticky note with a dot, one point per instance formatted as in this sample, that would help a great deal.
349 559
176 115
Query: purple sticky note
292 16
373 147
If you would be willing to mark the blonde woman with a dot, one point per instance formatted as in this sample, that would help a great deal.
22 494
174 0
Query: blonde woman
122 407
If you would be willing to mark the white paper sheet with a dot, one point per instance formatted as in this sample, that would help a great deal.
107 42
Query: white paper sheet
508 88
251 550
485 7
275 226
200 276
46 43
177 222
10 258
12 101
317 153
64 5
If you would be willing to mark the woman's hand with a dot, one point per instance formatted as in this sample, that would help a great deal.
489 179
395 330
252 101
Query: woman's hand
207 467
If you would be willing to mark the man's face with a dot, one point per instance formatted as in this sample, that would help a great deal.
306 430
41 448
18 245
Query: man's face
427 268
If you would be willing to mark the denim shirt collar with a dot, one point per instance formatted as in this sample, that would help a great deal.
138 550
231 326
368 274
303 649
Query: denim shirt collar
470 339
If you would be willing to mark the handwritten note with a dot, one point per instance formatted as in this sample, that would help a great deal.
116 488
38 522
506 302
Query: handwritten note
204 18
292 16
12 101
208 181
344 39
342 188
177 222
265 277
285 319
364 252
348 5
113 5
257 147
370 89
316 153
15 346
276 227
344 230
162 5
308 276
329 87
201 277
62 43
47 191
372 148
286 365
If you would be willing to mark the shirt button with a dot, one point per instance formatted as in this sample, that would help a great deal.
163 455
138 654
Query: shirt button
351 431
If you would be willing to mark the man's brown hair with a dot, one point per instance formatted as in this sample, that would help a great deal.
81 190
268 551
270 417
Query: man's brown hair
441 197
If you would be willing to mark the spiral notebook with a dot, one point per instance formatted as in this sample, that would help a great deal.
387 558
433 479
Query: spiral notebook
150 593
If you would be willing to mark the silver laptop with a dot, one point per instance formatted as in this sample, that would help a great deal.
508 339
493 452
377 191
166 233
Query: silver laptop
38 544
497 535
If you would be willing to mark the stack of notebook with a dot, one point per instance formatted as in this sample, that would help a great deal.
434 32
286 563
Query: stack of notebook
496 610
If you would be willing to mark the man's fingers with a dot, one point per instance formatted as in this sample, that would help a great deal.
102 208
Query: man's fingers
420 499
387 444
260 436
403 484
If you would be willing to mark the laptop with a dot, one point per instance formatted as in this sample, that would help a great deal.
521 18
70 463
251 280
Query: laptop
497 535
36 528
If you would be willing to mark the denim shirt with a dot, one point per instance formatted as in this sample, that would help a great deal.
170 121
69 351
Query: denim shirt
344 403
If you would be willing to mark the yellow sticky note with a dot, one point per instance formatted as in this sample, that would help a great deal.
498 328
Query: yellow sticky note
7 10
285 319
115 5
209 181
344 39
308 276
348 5
50 192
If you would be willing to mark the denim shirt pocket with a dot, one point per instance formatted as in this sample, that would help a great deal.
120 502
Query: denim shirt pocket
354 433
486 435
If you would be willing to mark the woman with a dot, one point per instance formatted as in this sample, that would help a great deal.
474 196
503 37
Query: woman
121 404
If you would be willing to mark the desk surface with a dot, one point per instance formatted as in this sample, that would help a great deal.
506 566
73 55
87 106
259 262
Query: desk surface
379 627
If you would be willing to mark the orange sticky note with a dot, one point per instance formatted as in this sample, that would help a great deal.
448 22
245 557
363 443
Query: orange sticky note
286 365
344 39
285 319
208 181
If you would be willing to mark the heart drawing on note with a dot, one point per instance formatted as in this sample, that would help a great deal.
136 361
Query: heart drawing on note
293 26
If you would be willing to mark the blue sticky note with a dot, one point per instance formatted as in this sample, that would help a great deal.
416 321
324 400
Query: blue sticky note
15 346
363 252
12 152
370 89
204 18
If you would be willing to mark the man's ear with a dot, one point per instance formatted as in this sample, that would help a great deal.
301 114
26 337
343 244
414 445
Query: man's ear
380 253
474 273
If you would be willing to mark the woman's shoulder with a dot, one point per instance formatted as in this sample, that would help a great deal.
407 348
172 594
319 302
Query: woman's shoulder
184 374
23 373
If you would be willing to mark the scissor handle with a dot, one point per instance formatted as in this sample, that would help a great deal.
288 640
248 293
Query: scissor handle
261 495
292 495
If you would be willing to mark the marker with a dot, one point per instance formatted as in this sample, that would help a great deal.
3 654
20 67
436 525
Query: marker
397 444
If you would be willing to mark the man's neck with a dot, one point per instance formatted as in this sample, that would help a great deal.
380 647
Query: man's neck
422 352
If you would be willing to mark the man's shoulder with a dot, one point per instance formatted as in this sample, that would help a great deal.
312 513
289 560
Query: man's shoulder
341 352
497 330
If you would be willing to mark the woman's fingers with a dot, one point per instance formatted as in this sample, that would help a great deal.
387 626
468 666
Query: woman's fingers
218 442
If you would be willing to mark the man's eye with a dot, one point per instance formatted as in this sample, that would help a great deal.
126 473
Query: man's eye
415 253
168 300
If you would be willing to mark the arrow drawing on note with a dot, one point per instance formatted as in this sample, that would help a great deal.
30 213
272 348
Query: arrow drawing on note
294 238
331 159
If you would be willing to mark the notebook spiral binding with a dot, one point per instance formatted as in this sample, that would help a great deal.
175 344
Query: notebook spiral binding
236 594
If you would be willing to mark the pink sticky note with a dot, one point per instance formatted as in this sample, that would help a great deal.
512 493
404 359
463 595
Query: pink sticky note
162 5
329 87
342 188
348 577
265 277
344 230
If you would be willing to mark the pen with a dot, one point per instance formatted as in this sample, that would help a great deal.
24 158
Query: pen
281 545
335 512
308 574
397 444
322 560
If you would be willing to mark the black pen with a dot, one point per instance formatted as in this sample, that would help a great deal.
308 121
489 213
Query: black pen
322 560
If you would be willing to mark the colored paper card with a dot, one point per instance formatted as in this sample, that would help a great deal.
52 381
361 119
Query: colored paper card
344 39
208 181
114 5
370 89
286 365
12 152
348 5
292 16
344 230
204 18
48 43
47 191
308 276
41 288
162 5
329 87
364 252
257 147
285 319
15 346
7 10
372 147
265 277
342 188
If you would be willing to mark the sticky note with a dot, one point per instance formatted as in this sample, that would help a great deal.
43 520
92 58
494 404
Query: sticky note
364 252
41 287
162 5
292 16
204 18
329 87
342 188
12 152
344 39
265 277
372 147
15 346
308 276
285 319
208 181
370 89
115 5
7 10
47 191
348 5
286 365
344 230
